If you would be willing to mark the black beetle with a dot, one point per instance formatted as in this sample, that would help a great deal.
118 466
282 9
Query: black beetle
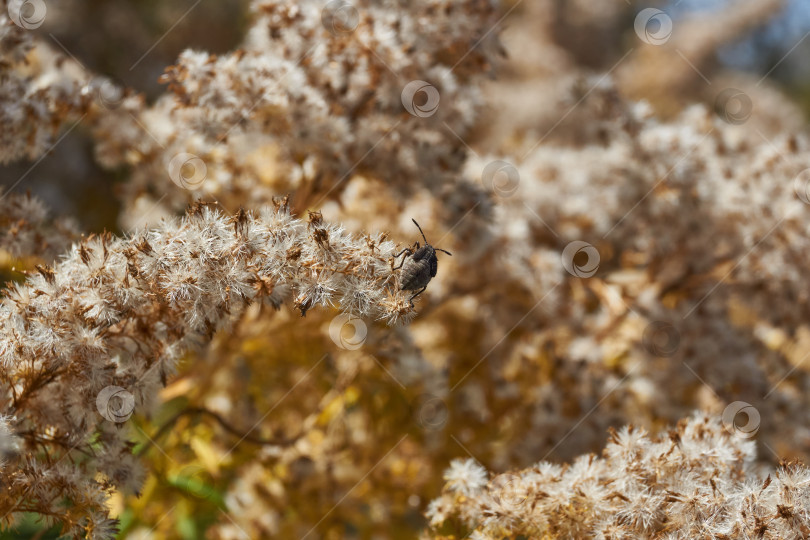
418 266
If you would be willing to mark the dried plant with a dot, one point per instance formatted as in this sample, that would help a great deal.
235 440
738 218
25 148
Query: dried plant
694 481
36 95
27 230
306 100
629 246
86 342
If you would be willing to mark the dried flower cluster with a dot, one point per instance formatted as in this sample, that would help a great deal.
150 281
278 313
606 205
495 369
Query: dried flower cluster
307 99
645 196
119 313
27 230
695 481
37 95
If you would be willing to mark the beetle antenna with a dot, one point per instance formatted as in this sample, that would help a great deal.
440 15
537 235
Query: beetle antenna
443 251
420 230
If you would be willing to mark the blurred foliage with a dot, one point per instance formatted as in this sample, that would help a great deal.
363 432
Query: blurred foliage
132 42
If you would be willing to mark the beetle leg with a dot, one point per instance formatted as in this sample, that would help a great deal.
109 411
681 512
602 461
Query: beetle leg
417 294
406 250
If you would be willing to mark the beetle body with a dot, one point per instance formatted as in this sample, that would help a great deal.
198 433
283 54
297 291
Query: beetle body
418 267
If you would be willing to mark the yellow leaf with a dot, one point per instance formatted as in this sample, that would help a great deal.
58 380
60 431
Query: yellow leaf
207 455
